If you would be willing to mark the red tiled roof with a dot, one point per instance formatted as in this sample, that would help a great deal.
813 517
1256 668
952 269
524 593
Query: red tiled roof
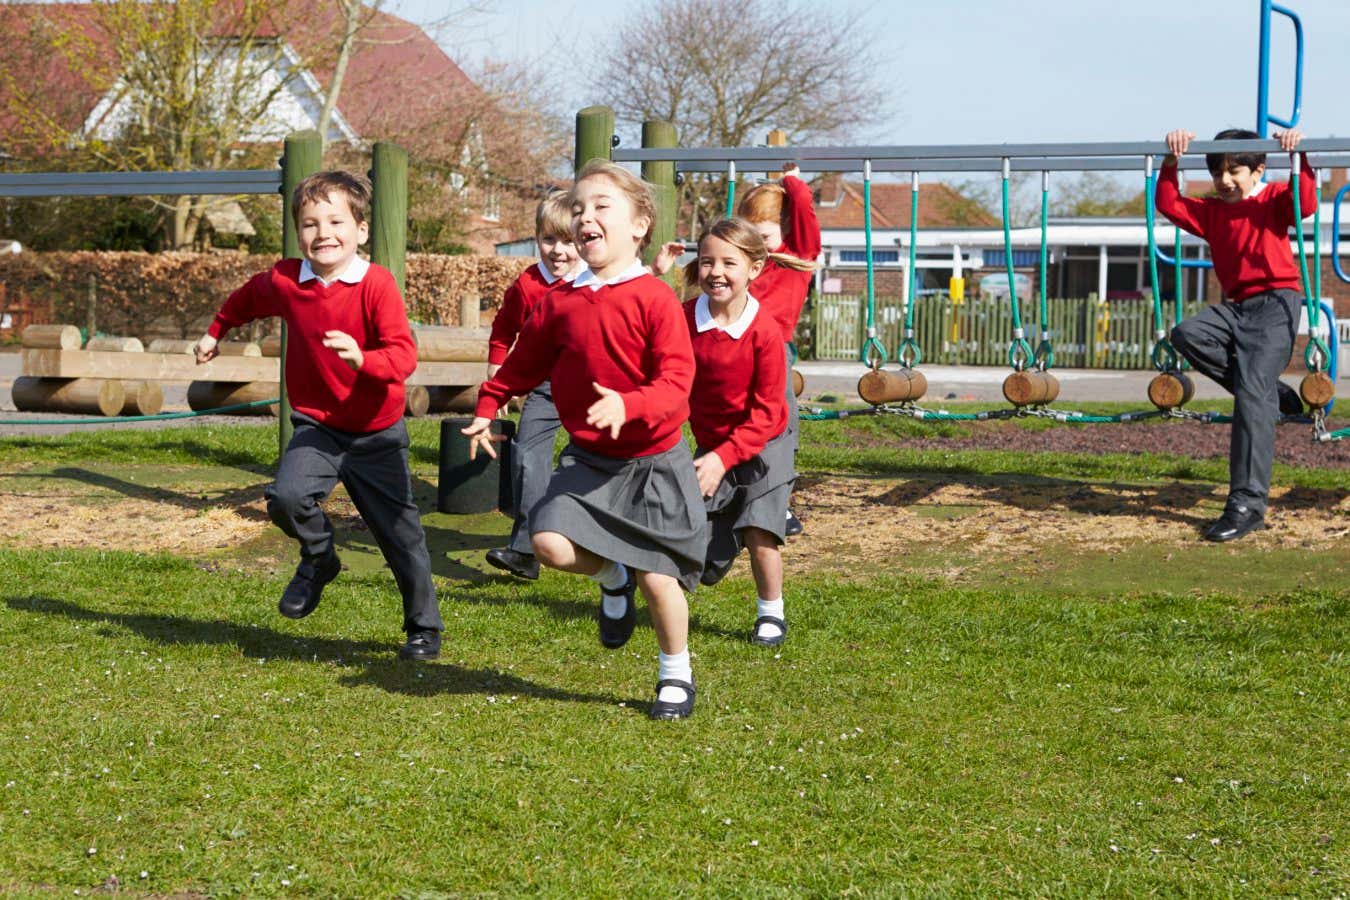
840 205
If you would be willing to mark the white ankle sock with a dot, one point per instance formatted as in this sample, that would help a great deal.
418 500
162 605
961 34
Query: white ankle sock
770 608
674 665
611 577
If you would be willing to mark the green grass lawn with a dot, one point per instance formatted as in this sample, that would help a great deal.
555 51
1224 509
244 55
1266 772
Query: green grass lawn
1084 731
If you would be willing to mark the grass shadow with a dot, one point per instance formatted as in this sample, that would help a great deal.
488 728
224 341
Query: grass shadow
239 499
380 666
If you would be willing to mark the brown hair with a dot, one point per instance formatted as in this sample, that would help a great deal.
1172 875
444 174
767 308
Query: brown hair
763 203
322 186
745 237
638 192
553 217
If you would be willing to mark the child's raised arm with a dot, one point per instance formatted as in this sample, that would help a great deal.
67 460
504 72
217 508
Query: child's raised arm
802 232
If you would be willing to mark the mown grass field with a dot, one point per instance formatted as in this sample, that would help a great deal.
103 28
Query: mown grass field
1117 723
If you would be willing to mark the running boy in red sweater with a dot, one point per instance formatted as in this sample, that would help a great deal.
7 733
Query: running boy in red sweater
1244 342
348 354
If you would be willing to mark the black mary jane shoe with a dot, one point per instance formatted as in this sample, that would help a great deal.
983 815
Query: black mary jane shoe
301 596
521 565
421 646
614 633
794 525
664 710
757 638
1234 523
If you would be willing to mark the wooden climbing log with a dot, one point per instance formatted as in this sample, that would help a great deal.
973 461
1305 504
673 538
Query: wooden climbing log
156 366
1317 389
469 310
798 383
416 399
226 348
89 396
892 386
203 395
1170 390
142 398
451 344
1030 387
270 345
454 399
111 344
54 337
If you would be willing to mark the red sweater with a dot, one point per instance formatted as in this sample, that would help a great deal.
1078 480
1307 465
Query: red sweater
319 383
518 302
629 337
1249 240
738 403
782 292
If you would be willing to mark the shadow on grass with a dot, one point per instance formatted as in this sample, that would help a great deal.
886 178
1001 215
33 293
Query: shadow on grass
380 666
238 499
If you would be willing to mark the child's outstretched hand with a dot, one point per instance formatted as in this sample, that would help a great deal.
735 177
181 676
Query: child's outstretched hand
345 345
1178 141
206 349
711 470
480 434
607 412
1288 139
666 256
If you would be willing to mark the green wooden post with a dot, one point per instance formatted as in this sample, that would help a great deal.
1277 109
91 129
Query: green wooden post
389 210
595 135
303 155
660 174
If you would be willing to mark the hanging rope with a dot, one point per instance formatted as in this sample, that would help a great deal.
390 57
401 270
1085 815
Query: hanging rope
1045 351
1165 358
1019 351
908 353
873 353
731 188
1316 356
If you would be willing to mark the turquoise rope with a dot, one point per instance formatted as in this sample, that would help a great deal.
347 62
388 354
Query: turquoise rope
1019 351
873 353
1164 354
1045 351
908 352
106 420
1315 343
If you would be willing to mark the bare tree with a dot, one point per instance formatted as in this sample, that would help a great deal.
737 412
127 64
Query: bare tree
727 71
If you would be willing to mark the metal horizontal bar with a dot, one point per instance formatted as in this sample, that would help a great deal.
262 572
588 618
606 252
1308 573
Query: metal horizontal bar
128 184
752 155
1049 164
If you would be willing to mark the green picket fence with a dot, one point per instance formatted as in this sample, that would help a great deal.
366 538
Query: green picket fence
1116 334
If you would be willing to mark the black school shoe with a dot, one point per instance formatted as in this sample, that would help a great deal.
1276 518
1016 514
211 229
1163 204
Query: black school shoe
614 633
422 645
663 710
764 641
1291 404
521 565
794 526
1234 523
301 596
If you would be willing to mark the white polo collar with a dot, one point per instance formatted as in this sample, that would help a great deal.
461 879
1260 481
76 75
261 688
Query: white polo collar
355 271
549 277
589 279
704 321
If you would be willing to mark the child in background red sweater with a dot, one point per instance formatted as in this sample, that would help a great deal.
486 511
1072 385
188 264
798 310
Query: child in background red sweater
349 351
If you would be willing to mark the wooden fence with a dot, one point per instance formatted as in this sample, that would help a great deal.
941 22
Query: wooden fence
1115 334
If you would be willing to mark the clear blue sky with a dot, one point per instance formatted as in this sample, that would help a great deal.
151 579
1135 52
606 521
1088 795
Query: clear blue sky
986 71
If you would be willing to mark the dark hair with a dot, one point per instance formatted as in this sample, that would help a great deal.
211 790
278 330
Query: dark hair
322 185
1217 162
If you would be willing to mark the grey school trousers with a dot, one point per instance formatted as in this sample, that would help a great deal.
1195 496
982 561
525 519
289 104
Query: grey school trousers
532 460
374 468
1244 347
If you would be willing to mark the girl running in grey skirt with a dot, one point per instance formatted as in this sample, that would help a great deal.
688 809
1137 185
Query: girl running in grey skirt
739 416
623 506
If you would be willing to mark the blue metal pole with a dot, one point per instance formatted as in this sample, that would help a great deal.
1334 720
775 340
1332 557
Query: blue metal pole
1263 71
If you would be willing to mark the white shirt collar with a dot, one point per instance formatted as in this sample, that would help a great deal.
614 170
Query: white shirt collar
549 277
587 278
355 271
704 321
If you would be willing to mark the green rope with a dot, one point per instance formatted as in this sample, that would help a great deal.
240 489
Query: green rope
1045 351
908 352
1316 347
107 420
1179 304
1164 354
1019 351
873 353
1338 435
731 189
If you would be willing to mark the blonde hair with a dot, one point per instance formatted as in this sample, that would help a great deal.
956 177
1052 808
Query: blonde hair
638 192
745 237
553 217
763 203
322 185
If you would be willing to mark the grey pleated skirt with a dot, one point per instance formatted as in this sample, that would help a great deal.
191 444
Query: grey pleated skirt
762 503
645 513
